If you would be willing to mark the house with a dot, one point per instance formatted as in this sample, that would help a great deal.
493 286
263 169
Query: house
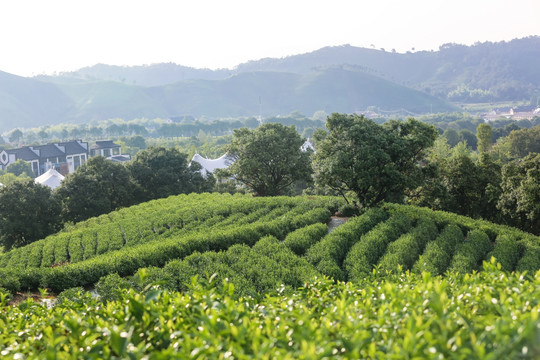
64 157
109 150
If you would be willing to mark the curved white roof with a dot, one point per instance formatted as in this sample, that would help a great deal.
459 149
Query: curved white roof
209 165
51 178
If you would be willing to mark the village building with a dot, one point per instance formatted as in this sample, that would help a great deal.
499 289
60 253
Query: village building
511 114
108 149
64 157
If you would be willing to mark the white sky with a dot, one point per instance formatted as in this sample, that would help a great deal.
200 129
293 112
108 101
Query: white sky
43 36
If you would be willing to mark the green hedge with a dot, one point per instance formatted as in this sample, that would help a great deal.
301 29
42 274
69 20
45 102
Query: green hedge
406 249
438 253
328 254
367 251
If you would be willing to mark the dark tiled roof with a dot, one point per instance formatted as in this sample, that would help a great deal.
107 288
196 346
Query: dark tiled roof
104 144
120 158
74 147
24 153
49 150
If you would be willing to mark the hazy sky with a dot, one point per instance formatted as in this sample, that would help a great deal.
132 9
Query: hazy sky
38 36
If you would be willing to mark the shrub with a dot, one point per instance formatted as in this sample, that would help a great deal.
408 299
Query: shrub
438 253
366 252
9 281
75 294
110 287
300 240
406 249
336 245
506 252
471 252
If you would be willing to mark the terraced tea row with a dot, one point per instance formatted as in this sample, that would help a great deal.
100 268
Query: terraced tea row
270 216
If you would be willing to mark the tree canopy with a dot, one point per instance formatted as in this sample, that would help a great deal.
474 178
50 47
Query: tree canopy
21 167
269 159
97 187
368 161
520 199
28 212
161 172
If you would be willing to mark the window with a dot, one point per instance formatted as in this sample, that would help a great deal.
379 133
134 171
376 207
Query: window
76 162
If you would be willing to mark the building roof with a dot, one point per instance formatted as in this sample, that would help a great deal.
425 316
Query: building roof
209 165
74 147
25 153
104 144
120 158
51 178
49 150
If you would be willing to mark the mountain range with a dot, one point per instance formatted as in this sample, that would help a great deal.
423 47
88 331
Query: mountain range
334 79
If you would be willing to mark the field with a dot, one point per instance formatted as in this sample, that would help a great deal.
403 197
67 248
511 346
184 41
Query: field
224 276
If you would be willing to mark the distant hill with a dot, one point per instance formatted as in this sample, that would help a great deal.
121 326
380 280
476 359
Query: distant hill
505 70
335 89
26 102
333 79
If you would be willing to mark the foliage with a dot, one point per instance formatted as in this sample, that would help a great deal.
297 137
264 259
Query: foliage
524 142
520 198
97 187
21 168
110 287
372 246
373 162
486 315
269 159
161 172
485 137
300 240
28 212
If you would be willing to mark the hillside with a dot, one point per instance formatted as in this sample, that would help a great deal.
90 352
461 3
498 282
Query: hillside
333 79
507 69
191 228
26 102
217 276
244 94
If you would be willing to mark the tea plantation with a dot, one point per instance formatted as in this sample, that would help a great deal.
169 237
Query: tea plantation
221 276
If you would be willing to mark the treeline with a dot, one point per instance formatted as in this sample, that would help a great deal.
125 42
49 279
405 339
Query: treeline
157 128
500 182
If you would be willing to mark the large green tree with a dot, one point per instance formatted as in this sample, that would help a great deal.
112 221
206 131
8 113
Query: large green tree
97 187
269 159
371 162
520 199
484 135
161 172
28 212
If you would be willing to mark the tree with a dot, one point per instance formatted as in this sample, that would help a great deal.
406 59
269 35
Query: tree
484 136
372 162
269 159
524 142
451 136
28 212
161 172
520 198
21 167
97 187
469 138
15 136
